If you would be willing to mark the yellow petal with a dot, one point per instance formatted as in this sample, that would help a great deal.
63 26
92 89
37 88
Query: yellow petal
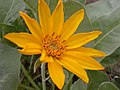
45 58
32 24
72 24
56 74
86 52
86 62
58 18
22 39
80 39
42 57
74 67
31 49
44 17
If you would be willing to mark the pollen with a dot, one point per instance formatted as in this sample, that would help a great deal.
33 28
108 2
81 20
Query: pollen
53 46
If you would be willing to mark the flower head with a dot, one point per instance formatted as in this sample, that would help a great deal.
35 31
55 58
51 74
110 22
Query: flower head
54 40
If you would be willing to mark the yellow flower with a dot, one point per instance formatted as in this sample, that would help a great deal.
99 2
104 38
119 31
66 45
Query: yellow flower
54 40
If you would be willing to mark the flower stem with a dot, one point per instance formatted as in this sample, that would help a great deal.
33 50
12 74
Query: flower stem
29 78
43 76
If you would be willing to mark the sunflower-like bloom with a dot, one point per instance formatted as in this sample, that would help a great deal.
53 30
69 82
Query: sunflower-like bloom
54 40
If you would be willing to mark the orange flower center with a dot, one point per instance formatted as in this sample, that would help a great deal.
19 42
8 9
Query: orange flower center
53 46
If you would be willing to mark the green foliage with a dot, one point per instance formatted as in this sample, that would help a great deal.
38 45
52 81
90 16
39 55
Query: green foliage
9 68
85 25
105 15
31 4
79 85
113 59
96 78
107 86
9 12
82 1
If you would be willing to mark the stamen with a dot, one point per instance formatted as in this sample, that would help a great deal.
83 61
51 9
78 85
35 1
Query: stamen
53 34
53 46
63 41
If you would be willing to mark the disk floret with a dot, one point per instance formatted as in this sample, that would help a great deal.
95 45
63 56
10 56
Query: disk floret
53 46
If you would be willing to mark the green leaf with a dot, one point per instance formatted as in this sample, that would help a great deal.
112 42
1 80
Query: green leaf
101 8
96 78
105 15
70 7
17 26
66 75
9 68
116 81
13 13
113 67
112 59
52 4
9 10
107 86
79 85
32 4
4 28
82 1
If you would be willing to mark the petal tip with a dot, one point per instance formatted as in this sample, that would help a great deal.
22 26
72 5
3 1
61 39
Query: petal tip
102 68
60 86
104 54
86 80
20 50
38 1
82 10
81 13
21 13
7 36
60 1
99 32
